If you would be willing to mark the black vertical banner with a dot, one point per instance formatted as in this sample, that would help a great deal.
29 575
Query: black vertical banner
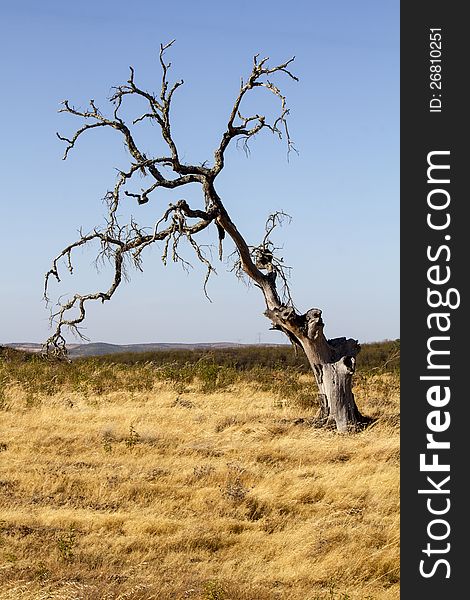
435 239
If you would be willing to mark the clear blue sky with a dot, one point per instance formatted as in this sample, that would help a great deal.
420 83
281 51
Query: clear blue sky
342 190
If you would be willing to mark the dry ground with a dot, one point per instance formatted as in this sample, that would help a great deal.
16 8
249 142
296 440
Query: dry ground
182 494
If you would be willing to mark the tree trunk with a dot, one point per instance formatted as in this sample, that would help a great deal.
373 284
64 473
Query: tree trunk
337 404
333 364
332 361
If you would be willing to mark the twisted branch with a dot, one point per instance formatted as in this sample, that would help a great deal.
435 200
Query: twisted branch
265 259
128 242
123 245
259 71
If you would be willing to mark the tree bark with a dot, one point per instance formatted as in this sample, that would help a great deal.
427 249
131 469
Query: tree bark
333 364
334 379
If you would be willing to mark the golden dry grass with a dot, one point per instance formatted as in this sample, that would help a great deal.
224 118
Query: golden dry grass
203 496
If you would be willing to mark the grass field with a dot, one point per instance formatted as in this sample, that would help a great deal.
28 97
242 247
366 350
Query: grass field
198 481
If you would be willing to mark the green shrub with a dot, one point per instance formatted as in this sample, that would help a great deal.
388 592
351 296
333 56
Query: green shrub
213 591
271 368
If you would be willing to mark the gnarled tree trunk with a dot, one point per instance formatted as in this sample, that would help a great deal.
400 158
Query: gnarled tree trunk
332 361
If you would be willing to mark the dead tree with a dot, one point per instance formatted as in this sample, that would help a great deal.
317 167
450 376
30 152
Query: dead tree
332 361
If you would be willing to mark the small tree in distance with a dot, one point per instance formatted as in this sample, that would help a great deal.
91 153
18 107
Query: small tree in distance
332 361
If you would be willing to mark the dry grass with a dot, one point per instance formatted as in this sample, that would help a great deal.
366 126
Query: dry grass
179 493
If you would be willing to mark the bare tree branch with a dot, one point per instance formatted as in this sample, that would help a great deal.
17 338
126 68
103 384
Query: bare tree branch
119 243
265 259
123 245
255 79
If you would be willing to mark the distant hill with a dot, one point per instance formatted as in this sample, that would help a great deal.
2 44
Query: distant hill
102 348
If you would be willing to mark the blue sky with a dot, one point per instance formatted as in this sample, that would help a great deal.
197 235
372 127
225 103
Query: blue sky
342 190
